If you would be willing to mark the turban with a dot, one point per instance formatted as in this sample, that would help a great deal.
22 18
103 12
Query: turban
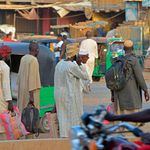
72 49
5 51
128 43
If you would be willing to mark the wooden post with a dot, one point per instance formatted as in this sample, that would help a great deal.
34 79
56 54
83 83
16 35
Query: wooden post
149 21
33 2
8 2
37 23
14 22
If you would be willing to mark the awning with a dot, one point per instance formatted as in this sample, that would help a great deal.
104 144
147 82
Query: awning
61 8
30 15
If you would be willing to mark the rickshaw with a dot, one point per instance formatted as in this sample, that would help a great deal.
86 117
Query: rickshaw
46 60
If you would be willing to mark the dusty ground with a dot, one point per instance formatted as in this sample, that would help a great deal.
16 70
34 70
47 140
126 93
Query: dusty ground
100 95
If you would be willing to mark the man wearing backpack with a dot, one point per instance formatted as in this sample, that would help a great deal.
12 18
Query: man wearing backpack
129 98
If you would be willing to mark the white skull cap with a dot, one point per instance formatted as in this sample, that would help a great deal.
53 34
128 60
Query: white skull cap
83 52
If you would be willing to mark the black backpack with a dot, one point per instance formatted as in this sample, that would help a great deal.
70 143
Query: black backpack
30 119
115 76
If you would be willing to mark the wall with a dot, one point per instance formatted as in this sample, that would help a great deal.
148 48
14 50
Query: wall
46 144
45 22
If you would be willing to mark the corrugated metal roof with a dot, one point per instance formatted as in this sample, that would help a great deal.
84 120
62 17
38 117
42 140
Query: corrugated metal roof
68 6
133 0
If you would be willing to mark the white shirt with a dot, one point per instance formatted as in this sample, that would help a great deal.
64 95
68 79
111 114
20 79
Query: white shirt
58 45
91 46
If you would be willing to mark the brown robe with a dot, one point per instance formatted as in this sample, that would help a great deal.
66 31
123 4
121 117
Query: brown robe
28 80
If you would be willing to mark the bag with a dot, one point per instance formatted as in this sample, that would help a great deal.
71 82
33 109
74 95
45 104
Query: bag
115 76
30 118
13 126
110 108
53 124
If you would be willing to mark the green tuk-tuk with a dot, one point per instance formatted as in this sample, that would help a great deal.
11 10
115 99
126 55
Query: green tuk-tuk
47 63
107 50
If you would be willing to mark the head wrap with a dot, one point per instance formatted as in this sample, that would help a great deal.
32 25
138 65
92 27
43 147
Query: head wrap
83 52
128 43
72 50
5 51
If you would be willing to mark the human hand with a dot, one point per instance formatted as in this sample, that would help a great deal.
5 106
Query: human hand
112 99
31 98
146 95
10 106
109 116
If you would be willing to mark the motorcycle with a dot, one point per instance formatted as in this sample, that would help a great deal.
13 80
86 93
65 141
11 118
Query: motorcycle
95 135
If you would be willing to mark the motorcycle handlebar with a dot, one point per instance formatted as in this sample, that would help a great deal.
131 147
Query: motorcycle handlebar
136 131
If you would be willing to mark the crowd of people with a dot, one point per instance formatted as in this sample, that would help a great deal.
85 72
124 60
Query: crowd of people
73 74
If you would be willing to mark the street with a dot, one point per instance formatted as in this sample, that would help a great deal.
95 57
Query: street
100 95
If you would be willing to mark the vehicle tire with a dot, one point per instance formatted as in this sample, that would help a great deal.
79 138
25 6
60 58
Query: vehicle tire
44 127
97 79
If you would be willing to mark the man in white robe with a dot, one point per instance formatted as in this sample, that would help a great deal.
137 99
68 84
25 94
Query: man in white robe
68 91
5 92
90 45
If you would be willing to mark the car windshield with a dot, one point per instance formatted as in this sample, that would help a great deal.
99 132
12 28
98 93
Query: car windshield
116 47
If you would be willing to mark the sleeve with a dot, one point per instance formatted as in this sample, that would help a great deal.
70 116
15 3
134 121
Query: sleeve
6 83
34 76
79 72
59 44
85 84
139 75
63 50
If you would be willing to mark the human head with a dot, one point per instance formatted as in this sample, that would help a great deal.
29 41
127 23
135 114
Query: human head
64 37
52 33
5 52
59 37
128 46
9 35
34 48
88 34
83 56
113 25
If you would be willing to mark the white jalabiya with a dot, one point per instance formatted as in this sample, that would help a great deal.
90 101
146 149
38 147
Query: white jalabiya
91 46
5 92
68 94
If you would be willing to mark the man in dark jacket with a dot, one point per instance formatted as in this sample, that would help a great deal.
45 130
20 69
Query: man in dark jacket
129 99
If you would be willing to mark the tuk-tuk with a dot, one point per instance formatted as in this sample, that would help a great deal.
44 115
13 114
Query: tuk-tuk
107 50
46 60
